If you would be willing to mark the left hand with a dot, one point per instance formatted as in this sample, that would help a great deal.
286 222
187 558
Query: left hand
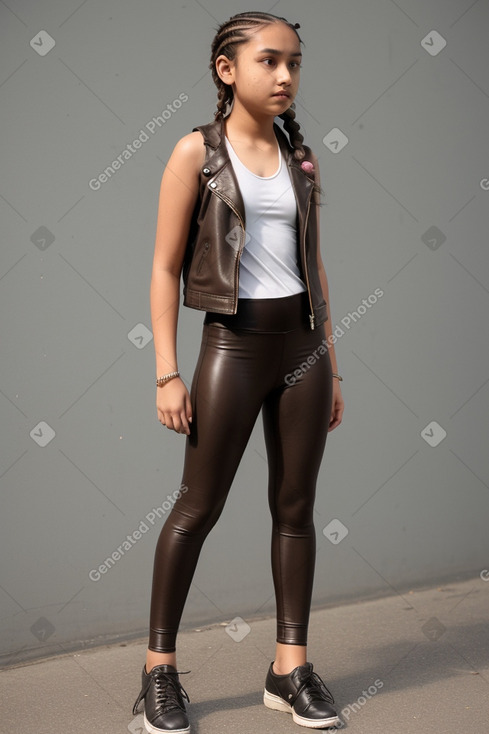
337 407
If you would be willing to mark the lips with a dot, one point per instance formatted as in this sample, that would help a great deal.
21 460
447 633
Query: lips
281 94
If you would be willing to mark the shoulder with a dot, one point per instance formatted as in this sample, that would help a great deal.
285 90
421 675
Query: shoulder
189 151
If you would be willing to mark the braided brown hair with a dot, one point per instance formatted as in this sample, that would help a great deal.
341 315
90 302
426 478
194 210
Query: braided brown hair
229 36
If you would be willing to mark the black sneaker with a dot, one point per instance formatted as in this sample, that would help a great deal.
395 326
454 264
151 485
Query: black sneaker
303 694
164 708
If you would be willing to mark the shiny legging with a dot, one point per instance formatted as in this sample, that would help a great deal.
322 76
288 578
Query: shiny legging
265 357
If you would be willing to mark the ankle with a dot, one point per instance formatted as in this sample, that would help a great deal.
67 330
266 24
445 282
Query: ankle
281 669
285 668
288 657
160 658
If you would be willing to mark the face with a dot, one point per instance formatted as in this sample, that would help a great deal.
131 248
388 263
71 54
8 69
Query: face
268 63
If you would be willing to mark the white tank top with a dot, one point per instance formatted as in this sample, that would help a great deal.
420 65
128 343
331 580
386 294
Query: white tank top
268 266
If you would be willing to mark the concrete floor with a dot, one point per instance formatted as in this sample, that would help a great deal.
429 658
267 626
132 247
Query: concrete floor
416 663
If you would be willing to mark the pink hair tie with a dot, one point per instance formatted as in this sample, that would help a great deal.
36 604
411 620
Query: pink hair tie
307 166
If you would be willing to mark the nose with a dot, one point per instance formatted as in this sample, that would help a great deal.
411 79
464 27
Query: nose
283 74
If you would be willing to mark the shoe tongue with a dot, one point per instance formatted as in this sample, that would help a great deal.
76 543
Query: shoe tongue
165 668
304 670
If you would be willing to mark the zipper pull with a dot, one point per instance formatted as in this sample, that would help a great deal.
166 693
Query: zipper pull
311 319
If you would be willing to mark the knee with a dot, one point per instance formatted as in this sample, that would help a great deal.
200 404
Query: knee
296 514
294 523
193 522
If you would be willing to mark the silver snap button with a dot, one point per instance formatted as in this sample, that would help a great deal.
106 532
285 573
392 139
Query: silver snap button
213 185
206 171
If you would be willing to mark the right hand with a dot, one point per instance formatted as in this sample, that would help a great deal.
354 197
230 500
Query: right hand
173 406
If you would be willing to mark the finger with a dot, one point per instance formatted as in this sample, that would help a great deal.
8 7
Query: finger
177 423
168 421
184 423
188 407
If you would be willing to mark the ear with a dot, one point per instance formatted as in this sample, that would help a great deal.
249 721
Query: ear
225 69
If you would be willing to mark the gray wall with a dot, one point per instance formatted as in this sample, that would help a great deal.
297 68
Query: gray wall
84 461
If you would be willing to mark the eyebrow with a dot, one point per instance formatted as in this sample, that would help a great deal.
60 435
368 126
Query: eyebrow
276 52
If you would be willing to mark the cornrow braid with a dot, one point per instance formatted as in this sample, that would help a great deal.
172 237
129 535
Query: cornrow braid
229 36
292 127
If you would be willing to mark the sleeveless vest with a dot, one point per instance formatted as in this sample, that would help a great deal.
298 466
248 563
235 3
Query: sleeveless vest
216 236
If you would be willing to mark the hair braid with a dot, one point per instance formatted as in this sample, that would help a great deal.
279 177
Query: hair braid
229 36
293 127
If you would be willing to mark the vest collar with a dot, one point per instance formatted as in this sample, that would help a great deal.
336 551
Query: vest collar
223 172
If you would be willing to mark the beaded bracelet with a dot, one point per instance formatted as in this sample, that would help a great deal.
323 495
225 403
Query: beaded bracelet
160 381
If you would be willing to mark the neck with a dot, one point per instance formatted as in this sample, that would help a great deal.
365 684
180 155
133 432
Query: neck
240 124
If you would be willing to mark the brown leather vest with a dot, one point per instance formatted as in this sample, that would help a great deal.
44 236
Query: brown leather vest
217 231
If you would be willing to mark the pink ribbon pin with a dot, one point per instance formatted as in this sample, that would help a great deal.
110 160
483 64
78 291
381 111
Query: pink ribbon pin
307 166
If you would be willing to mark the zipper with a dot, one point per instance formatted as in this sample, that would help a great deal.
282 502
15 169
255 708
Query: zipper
203 256
228 201
311 315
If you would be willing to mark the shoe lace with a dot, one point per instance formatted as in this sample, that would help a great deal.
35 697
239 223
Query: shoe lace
169 691
316 688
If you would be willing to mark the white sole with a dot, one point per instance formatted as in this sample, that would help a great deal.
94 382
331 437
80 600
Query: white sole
278 704
153 730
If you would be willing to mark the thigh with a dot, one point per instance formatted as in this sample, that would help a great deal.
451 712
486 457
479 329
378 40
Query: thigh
296 417
226 395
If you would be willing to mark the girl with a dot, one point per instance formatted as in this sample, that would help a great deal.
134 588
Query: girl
238 217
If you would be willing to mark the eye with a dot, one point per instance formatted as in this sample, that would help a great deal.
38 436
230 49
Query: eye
294 64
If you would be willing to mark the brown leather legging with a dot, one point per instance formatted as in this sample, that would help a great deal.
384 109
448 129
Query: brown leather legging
256 359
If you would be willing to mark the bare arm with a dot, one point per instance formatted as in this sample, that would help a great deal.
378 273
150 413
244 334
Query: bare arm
338 403
178 194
